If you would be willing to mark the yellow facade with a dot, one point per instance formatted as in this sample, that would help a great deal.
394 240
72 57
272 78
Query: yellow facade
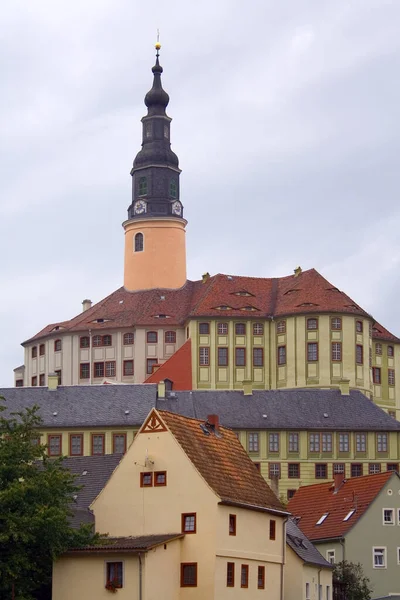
306 582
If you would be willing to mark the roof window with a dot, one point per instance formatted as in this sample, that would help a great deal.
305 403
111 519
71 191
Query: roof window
291 291
322 519
349 514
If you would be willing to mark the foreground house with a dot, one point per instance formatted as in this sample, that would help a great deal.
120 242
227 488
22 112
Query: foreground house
357 520
188 516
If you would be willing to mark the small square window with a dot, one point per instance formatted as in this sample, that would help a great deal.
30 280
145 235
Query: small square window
388 516
114 575
97 340
336 323
272 529
293 470
232 524
160 478
170 337
393 467
189 523
290 494
258 329
188 574
274 470
107 340
222 328
152 337
312 324
128 339
374 468
204 328
356 470
150 364
244 576
240 328
339 469
321 471
146 479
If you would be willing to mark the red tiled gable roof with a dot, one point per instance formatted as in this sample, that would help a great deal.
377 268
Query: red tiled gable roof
222 462
178 368
380 333
309 292
312 501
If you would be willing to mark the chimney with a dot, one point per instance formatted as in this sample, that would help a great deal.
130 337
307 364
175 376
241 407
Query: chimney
344 385
52 381
297 271
205 277
161 390
86 304
247 387
213 420
274 485
338 480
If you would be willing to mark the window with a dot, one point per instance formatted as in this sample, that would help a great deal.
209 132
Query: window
274 470
258 357
281 327
223 357
376 374
336 323
281 355
312 351
42 349
84 341
240 328
110 368
293 470
76 444
359 326
42 379
204 328
128 369
378 349
152 337
172 185
107 340
388 516
128 339
261 577
322 519
290 494
390 351
370 357
321 471
114 574
204 356
146 479
273 442
160 478
391 379
272 529
143 180
392 467
313 442
344 442
359 354
356 470
252 442
349 514
330 556
58 373
240 357
97 340
374 468
230 574
361 442
34 352
189 523
57 345
188 574
222 328
150 364
307 591
293 442
258 329
337 351
232 524
312 324
119 443
98 369
379 558
139 242
257 465
54 445
244 576
326 442
391 413
34 381
170 337
381 442
19 383
338 469
98 444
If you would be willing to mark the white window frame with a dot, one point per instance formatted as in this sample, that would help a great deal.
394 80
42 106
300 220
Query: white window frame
384 553
331 554
393 521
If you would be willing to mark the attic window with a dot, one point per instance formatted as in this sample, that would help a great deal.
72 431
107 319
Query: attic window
351 306
334 289
349 514
162 316
376 330
307 304
322 519
291 291
242 293
223 307
250 308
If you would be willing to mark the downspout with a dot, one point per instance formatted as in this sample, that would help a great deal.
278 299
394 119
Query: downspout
140 576
319 584
283 555
90 357
341 542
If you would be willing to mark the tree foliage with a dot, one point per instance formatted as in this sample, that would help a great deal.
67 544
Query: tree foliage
352 580
35 498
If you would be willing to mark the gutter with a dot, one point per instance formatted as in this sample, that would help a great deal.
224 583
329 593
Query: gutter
272 511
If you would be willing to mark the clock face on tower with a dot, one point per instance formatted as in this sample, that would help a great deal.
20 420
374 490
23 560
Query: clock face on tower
140 207
177 208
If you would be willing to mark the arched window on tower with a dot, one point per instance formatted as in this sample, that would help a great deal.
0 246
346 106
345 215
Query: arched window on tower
143 186
172 188
139 242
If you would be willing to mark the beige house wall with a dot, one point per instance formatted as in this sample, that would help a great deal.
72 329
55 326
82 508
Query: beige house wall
298 574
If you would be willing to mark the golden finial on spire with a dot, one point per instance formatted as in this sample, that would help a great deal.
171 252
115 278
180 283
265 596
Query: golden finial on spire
158 45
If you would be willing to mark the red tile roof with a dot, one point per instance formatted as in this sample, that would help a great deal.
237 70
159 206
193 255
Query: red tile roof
380 333
178 368
306 293
313 501
222 462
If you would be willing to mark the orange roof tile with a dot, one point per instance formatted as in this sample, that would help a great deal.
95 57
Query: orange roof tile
222 462
313 501
178 368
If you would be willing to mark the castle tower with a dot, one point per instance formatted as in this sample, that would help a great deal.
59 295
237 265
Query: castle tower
155 249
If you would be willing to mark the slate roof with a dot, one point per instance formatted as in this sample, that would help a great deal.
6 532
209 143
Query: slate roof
222 462
312 501
307 293
284 409
178 368
131 543
302 546
85 405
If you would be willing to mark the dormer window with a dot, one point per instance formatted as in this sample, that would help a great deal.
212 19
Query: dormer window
142 186
173 190
139 242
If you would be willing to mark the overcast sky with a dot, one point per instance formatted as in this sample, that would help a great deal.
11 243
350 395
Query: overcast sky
285 120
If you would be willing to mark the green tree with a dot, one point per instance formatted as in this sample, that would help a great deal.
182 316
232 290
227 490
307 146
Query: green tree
35 498
352 580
